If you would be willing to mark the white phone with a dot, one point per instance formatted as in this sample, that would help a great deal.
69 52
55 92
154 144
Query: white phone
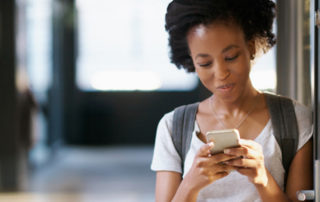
223 139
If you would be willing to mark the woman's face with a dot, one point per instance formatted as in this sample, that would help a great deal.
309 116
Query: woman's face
221 57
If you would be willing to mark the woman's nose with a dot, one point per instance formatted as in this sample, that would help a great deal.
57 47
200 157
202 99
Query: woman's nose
221 71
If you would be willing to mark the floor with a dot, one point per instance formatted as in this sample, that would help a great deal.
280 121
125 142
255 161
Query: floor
92 174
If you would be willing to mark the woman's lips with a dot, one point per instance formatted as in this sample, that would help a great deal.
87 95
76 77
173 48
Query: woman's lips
225 87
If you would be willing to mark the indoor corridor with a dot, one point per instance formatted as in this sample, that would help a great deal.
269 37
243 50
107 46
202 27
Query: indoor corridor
92 174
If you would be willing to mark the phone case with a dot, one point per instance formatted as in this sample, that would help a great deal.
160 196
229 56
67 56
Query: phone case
223 139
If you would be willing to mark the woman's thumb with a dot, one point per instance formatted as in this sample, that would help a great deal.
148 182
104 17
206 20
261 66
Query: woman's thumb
205 149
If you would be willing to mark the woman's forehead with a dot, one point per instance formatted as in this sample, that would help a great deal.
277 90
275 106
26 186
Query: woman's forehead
216 31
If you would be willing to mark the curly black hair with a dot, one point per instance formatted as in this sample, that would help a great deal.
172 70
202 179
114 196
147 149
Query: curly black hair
255 17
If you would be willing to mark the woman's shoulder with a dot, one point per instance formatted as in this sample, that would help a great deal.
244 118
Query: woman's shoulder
304 117
304 121
302 110
165 122
167 117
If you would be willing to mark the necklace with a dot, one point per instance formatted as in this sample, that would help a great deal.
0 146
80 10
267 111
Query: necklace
237 126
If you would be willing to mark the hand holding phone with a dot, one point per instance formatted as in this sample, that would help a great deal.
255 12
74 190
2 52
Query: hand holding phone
223 139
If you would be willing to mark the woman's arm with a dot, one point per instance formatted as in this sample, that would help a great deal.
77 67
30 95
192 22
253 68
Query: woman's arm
167 183
271 191
169 187
300 176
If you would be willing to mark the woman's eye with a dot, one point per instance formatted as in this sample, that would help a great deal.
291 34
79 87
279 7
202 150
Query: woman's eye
204 64
231 58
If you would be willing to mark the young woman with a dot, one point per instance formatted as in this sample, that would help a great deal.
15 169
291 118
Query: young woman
218 39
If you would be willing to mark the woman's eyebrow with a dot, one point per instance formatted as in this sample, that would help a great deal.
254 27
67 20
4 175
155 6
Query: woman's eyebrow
229 47
203 55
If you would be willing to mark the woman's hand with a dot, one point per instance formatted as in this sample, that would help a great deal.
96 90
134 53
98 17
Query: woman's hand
207 168
250 161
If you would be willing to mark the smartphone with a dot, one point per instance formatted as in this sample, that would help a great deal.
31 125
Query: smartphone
223 139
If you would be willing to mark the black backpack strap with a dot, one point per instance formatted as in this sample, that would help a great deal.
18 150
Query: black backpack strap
182 127
285 127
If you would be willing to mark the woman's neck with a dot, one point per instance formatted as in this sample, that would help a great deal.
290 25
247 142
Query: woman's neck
239 106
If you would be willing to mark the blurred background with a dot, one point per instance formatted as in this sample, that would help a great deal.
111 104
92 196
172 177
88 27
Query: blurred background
84 83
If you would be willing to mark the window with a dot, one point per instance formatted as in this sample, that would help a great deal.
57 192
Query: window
38 45
263 71
123 46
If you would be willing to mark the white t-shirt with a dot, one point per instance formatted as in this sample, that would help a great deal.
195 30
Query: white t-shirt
234 187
